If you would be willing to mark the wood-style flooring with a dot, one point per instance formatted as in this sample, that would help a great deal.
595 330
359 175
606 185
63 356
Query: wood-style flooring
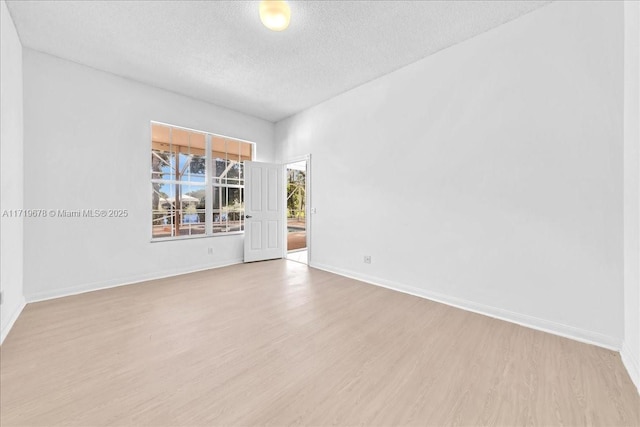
279 343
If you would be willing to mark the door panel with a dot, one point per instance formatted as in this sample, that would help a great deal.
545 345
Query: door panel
255 196
273 235
273 189
255 231
264 213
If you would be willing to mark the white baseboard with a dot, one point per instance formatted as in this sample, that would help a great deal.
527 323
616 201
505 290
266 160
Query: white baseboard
6 328
585 336
96 286
632 364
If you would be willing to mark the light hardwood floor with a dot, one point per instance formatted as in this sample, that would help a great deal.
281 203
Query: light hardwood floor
278 343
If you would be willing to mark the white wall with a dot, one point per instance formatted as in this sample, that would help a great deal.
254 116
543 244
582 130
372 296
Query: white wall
11 177
631 349
488 175
87 146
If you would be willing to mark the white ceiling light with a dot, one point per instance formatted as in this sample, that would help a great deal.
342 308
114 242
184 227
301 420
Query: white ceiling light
275 14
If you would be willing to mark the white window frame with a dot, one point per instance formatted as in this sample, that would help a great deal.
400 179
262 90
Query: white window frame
208 183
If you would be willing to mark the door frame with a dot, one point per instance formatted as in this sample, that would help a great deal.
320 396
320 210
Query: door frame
307 207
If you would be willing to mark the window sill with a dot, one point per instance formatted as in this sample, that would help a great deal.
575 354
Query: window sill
200 236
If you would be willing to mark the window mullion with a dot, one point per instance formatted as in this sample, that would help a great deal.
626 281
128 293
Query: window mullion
208 206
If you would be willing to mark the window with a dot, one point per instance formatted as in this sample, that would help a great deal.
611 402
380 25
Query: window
197 181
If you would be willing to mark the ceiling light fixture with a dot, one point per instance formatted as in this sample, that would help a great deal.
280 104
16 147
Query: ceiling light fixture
275 14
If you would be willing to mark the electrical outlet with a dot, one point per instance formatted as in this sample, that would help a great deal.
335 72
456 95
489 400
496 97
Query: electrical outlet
313 210
367 259
210 251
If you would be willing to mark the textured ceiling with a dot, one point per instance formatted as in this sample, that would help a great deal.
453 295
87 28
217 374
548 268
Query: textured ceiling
218 51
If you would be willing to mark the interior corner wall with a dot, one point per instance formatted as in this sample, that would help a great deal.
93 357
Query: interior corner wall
631 347
487 176
11 177
87 146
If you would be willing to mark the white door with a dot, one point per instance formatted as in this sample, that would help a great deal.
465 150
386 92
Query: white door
264 211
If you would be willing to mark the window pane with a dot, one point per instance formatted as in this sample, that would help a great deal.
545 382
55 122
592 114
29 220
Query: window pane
219 201
233 172
228 209
191 199
180 139
161 164
189 151
234 209
178 210
160 133
233 150
163 211
195 163
197 168
161 153
219 166
191 168
245 150
218 150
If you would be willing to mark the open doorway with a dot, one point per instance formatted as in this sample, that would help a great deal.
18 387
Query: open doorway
297 218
